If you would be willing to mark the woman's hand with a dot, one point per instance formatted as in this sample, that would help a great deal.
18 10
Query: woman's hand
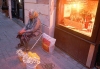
21 31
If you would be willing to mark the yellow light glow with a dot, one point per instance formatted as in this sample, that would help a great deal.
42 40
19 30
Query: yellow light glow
93 19
77 6
74 5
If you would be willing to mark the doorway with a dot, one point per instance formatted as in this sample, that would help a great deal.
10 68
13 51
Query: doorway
18 9
5 7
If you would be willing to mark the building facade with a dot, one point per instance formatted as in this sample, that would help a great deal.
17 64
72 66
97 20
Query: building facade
77 30
79 46
46 10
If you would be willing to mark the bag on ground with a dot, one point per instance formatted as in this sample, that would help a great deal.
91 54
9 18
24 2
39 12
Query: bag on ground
48 43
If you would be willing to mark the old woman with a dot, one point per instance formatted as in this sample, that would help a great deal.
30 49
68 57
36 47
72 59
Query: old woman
32 28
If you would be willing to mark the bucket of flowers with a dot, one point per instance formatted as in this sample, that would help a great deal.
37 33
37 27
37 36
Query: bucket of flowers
31 59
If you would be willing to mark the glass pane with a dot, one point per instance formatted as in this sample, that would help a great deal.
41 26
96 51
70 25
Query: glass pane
79 15
20 9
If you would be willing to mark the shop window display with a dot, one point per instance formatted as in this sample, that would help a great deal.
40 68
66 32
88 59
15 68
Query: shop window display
79 15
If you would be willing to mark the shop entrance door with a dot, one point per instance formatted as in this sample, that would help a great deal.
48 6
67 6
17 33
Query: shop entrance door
5 7
18 9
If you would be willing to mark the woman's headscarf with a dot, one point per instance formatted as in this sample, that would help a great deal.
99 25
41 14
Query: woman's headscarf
34 13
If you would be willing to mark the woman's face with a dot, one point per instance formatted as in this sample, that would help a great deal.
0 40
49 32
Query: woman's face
30 15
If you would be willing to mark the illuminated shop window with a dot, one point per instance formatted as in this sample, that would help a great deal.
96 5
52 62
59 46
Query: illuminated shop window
79 15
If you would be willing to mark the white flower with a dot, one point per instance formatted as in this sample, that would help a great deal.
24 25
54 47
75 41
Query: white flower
25 58
20 53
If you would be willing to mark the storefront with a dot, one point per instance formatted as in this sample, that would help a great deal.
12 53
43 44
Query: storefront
78 28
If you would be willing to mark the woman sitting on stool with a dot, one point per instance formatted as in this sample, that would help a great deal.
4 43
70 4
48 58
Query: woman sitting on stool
32 28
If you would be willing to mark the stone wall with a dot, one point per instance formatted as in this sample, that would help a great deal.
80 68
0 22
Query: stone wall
43 1
46 10
9 5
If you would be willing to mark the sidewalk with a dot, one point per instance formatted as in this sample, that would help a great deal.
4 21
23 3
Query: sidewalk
8 56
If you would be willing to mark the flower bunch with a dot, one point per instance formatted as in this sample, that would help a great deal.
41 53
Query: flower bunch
20 53
31 58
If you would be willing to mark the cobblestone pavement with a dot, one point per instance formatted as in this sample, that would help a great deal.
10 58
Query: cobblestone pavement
8 56
8 41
